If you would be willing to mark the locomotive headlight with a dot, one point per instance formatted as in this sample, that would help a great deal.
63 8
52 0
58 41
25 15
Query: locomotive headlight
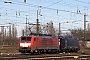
29 44
88 42
21 44
25 44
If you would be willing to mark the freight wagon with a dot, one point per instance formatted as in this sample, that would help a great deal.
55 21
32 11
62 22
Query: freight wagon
69 44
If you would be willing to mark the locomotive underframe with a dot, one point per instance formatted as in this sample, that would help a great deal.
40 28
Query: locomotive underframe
40 50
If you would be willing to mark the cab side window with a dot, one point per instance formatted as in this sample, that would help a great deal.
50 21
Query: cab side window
34 39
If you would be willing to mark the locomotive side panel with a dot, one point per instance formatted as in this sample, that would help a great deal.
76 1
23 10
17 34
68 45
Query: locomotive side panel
47 43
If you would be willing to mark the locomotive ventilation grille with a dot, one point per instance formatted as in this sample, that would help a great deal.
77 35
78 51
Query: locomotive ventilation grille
46 42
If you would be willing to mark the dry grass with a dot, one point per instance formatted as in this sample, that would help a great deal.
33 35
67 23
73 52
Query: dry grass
9 49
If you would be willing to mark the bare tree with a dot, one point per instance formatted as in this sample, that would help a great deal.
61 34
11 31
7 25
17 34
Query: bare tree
43 29
51 29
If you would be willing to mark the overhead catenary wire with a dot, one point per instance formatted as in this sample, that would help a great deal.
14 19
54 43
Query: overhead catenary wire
56 9
66 11
34 13
32 5
82 2
54 3
44 7
52 8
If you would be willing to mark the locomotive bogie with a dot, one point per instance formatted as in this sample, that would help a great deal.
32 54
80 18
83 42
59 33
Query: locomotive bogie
39 51
24 50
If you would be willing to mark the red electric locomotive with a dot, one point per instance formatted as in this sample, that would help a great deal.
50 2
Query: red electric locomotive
38 44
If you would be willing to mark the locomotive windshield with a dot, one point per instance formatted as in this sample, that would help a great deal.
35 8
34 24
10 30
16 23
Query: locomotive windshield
26 38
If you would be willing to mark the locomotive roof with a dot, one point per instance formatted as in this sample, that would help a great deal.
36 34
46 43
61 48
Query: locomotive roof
39 36
45 36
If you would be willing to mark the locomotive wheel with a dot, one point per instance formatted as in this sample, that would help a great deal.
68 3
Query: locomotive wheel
23 53
32 53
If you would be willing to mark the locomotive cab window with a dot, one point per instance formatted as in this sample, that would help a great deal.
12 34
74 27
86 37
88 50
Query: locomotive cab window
26 38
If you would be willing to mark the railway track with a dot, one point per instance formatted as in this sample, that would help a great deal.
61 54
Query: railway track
61 56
